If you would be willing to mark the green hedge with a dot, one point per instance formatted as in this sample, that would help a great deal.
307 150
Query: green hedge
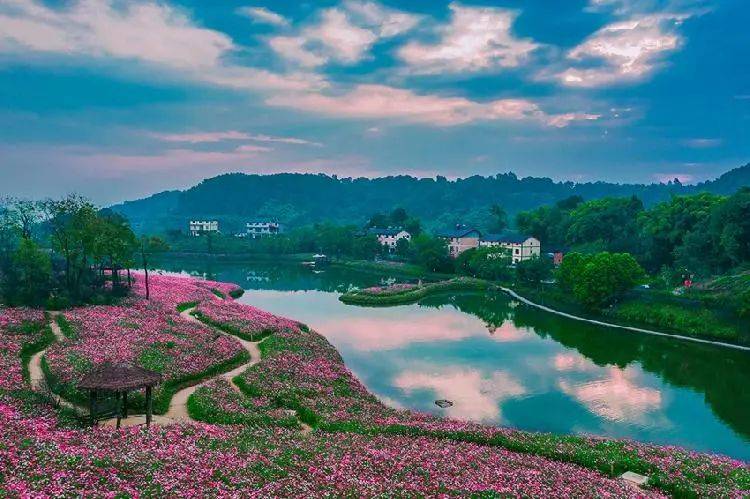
229 329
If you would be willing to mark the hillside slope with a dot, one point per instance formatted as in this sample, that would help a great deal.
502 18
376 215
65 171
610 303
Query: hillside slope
299 199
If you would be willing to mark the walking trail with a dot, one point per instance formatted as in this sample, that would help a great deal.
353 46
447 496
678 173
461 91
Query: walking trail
177 411
629 328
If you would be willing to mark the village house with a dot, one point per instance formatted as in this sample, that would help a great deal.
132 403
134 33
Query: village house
198 227
460 239
390 236
519 246
263 228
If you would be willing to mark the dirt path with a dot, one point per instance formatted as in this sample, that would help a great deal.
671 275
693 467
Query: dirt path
36 374
629 328
178 406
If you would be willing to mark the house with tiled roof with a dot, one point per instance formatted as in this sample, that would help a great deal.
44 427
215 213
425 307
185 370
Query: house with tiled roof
460 238
521 247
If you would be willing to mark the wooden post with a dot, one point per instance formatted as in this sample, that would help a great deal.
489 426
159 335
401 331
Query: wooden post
125 404
119 413
149 406
92 406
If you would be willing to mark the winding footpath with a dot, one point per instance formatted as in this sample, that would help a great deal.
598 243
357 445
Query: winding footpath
629 328
177 412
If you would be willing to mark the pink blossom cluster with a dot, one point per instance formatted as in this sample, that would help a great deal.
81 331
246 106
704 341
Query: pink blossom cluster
244 319
172 290
40 459
18 326
149 333
392 289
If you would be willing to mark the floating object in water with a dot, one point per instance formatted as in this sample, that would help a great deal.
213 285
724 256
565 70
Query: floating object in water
442 403
634 478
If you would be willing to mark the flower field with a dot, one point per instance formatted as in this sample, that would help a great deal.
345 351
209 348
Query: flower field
21 332
249 443
244 321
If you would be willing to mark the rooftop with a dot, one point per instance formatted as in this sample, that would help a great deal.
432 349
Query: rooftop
460 231
506 237
119 376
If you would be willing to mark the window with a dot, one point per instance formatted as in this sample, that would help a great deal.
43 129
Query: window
517 251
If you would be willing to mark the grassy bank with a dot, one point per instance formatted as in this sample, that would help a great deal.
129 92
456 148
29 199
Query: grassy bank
403 294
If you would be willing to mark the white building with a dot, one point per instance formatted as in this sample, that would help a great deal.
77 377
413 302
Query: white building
198 227
519 246
389 237
263 228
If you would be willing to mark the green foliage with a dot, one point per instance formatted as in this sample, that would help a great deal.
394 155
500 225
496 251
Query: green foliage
534 270
29 278
599 279
66 327
696 321
431 253
610 221
403 296
485 263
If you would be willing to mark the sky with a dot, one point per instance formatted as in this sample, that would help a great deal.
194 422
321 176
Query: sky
117 100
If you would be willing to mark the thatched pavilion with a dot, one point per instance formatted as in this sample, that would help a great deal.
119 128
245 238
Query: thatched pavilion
119 378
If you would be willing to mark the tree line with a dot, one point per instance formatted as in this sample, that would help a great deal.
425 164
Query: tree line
59 252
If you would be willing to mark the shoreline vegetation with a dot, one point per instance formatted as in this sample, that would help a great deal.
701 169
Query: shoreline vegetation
402 294
253 441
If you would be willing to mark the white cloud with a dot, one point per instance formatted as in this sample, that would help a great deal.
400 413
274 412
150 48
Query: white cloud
386 22
476 39
210 137
702 143
292 48
380 101
625 50
343 35
263 15
147 32
342 40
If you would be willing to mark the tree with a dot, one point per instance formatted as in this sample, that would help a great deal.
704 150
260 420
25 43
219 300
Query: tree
431 252
533 270
31 276
147 247
499 218
600 279
611 222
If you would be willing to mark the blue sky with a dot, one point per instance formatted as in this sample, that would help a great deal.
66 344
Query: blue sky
117 100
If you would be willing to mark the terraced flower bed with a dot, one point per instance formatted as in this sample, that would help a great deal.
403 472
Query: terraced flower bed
148 333
401 294
22 333
244 321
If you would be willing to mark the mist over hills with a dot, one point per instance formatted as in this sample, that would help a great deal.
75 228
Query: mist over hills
298 199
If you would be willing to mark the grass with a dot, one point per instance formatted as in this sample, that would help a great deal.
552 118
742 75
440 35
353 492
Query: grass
201 408
698 322
402 297
229 329
236 293
218 293
66 327
186 306
29 349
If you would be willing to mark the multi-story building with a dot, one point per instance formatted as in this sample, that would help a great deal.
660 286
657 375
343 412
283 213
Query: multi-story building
460 239
263 228
520 247
198 227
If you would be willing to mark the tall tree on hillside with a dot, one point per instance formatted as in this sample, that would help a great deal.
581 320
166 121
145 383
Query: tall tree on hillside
147 246
499 218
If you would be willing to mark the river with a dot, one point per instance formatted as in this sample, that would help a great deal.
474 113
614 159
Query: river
504 363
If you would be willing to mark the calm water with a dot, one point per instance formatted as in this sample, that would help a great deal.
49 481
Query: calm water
507 364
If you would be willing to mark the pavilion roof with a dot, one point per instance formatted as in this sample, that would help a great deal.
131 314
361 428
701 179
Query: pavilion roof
119 376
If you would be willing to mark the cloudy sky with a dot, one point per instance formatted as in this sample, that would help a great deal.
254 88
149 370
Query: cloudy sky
117 100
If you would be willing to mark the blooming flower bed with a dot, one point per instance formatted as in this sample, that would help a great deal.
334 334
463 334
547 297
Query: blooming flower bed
21 333
242 320
40 458
148 333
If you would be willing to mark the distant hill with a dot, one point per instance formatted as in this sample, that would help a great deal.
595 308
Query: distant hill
299 199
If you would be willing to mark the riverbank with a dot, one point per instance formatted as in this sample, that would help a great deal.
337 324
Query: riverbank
355 439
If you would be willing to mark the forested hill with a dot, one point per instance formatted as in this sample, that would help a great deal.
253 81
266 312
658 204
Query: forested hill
299 199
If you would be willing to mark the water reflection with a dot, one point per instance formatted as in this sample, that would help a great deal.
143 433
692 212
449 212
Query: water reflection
508 364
